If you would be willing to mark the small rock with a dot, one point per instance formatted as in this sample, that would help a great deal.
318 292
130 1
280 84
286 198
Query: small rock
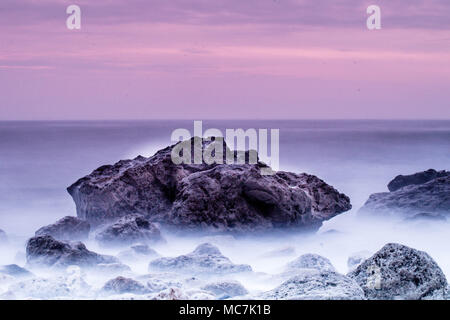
67 228
128 230
205 259
311 261
399 272
226 289
121 285
171 294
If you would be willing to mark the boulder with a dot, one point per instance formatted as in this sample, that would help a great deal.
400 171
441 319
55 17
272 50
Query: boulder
67 228
401 181
431 197
204 260
133 228
310 261
399 272
121 285
48 252
212 197
225 289
15 271
316 285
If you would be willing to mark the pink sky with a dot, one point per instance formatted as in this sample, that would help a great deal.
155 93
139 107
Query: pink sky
203 59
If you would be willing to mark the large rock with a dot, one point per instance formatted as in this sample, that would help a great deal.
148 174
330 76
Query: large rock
204 260
316 285
429 199
400 272
222 197
48 252
128 230
401 181
67 228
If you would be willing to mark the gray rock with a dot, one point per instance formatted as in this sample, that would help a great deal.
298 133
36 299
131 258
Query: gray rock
401 181
15 271
121 285
399 272
225 289
48 252
432 197
67 228
205 259
130 229
311 261
316 285
210 197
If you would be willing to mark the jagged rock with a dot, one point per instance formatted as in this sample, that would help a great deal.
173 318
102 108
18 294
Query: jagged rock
136 252
316 285
356 259
67 228
124 285
432 197
311 261
46 251
15 271
3 237
225 289
205 259
399 272
128 230
210 197
401 181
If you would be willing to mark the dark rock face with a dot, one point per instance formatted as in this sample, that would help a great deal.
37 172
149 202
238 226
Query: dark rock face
128 230
121 285
316 285
67 228
400 272
431 198
15 271
205 259
219 197
46 251
416 178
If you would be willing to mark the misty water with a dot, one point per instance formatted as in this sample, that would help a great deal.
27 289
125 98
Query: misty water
39 160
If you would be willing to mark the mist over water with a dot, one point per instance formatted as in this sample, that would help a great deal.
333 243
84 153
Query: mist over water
39 160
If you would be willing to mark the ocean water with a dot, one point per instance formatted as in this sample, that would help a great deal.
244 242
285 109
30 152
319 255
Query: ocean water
39 160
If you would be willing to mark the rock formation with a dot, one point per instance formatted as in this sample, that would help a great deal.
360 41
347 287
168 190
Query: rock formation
399 272
212 197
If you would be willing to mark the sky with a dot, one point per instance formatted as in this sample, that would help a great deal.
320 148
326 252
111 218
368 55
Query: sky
224 59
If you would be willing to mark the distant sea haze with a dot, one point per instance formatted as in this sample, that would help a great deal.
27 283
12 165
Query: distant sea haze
38 160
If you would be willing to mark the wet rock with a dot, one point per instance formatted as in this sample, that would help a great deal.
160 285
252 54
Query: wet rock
15 271
121 285
401 181
48 252
225 289
129 230
210 197
431 197
316 285
205 259
67 228
311 261
399 272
